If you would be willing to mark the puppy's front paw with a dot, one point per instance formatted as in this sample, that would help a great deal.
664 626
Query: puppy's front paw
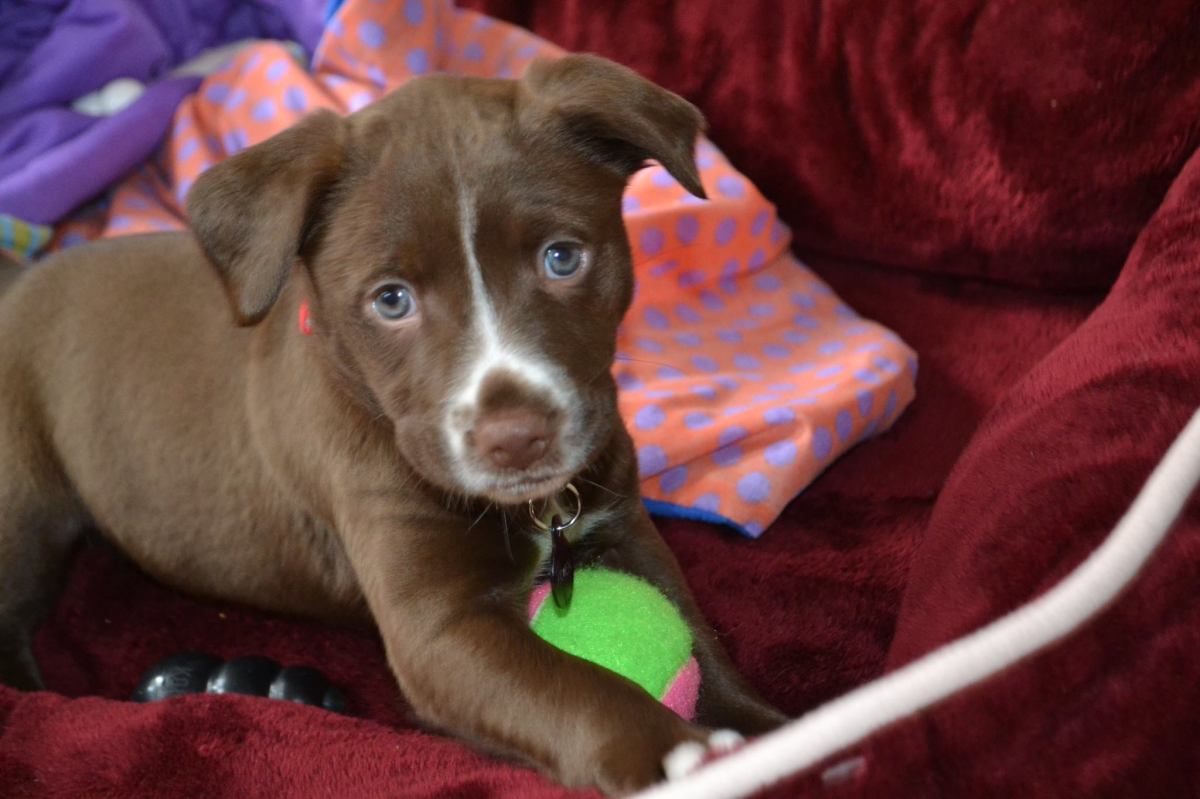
690 755
638 758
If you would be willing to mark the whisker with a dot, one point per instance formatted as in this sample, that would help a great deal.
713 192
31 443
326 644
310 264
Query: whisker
603 488
479 518
631 359
507 541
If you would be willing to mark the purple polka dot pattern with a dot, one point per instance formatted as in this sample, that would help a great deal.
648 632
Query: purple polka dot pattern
656 319
781 453
371 34
727 456
725 231
628 382
744 361
687 229
866 376
742 325
754 488
662 178
843 424
711 301
235 100
767 282
731 435
663 267
188 149
673 479
277 69
295 99
234 141
649 417
652 459
652 241
822 443
650 345
264 110
414 12
760 223
417 61
830 347
730 186
779 415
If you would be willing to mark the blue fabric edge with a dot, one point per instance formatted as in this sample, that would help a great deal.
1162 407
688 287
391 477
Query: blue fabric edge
669 510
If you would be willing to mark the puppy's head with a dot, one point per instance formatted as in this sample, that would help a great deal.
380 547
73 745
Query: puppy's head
466 254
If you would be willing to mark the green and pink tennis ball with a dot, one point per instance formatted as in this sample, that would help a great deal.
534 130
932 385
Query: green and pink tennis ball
626 625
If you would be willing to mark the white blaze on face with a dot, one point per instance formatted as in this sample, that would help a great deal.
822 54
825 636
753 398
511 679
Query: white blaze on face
496 353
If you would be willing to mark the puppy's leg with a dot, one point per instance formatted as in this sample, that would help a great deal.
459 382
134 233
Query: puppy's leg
38 526
467 662
726 699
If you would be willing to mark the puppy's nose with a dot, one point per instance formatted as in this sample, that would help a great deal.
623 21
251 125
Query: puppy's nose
514 439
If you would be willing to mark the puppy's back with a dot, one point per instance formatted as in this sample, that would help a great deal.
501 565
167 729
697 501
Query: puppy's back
126 355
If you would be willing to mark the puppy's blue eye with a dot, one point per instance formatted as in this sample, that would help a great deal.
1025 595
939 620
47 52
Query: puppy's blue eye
562 259
393 302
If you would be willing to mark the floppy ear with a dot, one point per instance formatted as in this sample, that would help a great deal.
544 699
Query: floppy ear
612 116
251 212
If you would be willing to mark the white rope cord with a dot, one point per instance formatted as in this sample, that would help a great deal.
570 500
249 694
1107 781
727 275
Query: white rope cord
854 716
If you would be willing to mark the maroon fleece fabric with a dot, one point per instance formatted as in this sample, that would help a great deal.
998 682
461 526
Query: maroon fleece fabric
1026 141
1039 413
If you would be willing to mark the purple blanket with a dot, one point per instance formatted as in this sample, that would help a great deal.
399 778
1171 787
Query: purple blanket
53 158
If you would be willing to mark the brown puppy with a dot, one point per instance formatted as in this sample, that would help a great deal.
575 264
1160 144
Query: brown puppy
460 248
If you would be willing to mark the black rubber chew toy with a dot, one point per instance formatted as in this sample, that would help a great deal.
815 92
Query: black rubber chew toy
194 673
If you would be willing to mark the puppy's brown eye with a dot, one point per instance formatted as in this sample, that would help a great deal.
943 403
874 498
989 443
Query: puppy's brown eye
393 302
562 259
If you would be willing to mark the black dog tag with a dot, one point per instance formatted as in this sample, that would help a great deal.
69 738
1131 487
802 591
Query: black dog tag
562 564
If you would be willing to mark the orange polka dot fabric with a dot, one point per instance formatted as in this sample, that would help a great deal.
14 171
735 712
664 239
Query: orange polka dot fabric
742 375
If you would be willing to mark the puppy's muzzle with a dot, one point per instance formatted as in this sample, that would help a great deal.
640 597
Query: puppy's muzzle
513 439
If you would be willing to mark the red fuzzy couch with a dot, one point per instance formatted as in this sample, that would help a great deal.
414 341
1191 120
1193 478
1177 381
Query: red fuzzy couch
1013 187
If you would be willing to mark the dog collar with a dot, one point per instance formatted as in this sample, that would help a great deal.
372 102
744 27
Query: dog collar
304 319
562 558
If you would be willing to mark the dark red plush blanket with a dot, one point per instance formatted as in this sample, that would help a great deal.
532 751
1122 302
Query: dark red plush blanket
922 151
